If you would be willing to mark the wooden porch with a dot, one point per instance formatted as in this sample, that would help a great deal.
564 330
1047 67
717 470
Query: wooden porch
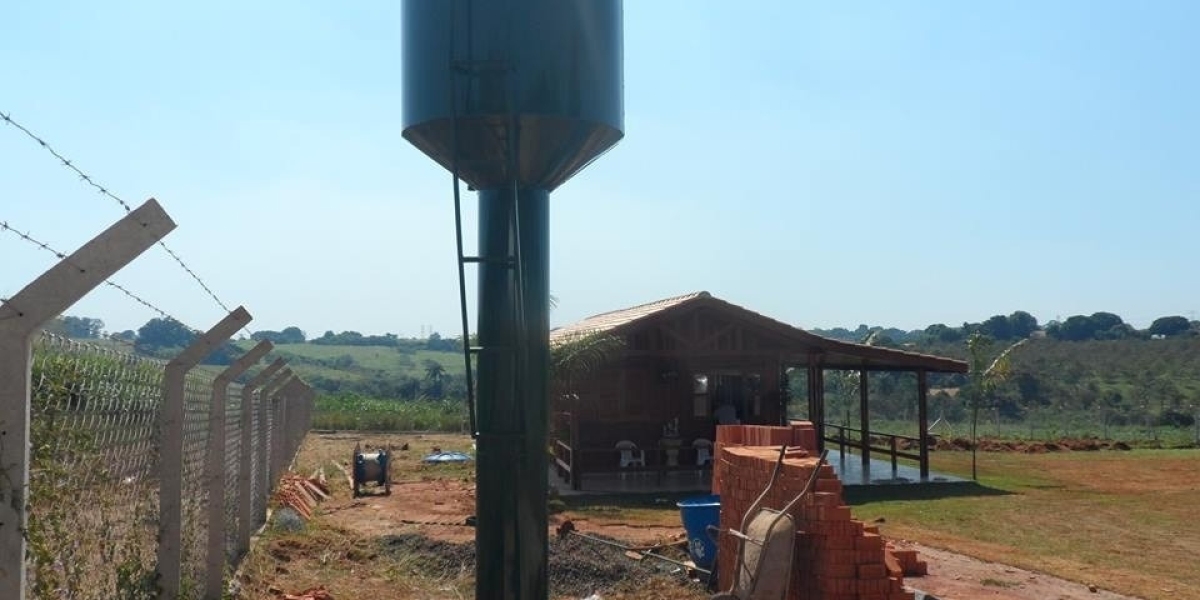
690 362
581 449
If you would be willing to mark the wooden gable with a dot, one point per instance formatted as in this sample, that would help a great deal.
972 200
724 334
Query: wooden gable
702 330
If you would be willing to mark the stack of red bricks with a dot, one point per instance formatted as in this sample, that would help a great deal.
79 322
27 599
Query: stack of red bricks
906 561
836 557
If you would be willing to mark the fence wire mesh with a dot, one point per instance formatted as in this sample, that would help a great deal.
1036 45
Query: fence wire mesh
261 483
94 510
197 399
93 493
232 466
258 477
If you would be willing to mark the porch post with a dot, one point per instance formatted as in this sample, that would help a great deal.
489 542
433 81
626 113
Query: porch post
782 403
820 388
810 380
576 459
923 417
864 413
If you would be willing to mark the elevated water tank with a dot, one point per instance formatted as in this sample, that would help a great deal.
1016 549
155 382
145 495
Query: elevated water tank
541 76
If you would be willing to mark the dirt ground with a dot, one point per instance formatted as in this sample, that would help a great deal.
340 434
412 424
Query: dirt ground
1027 446
402 535
951 576
959 577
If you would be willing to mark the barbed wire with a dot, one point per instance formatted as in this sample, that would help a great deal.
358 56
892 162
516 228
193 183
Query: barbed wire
4 226
7 118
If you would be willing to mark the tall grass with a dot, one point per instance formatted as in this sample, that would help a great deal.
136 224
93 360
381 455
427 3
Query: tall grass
354 412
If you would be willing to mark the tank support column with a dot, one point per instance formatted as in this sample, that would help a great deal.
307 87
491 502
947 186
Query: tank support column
513 399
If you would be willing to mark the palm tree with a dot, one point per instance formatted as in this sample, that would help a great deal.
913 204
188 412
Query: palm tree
434 371
435 374
985 378
578 357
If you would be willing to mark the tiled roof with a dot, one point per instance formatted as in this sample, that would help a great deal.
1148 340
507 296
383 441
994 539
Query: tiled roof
856 354
611 320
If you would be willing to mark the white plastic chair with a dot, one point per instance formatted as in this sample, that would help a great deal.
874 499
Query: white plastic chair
703 450
631 456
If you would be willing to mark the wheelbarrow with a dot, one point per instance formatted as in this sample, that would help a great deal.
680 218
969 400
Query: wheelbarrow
766 540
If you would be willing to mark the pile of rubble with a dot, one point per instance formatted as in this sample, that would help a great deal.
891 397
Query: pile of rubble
301 493
317 593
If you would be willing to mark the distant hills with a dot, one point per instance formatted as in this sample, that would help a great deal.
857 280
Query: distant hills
1093 369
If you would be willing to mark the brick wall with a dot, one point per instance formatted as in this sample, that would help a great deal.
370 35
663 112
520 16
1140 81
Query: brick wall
836 557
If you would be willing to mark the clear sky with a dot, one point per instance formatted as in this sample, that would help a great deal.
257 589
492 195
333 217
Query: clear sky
896 163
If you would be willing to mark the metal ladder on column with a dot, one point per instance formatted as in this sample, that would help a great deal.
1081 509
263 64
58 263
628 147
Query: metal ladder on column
471 69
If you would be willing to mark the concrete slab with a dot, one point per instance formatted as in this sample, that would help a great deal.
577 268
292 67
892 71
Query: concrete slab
850 470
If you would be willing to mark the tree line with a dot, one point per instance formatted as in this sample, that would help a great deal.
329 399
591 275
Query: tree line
294 335
1093 368
1020 325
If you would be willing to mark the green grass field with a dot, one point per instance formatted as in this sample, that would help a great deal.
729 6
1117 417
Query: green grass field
356 367
370 358
371 414
373 358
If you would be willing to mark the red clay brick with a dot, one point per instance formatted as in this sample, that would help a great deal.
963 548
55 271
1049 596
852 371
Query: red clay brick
840 570
840 542
872 571
869 541
837 557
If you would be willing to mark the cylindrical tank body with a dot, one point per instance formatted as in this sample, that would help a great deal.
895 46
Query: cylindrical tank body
542 76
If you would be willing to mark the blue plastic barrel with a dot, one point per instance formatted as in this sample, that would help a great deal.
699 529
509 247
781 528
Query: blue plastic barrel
697 514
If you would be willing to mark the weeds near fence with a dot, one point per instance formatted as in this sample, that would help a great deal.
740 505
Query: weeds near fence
93 509
93 502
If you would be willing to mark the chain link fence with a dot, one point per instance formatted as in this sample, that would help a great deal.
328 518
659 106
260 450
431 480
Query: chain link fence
93 503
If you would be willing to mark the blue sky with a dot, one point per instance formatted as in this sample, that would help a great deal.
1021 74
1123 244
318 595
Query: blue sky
827 164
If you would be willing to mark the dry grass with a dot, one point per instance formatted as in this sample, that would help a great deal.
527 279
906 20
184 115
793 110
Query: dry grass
396 561
1121 520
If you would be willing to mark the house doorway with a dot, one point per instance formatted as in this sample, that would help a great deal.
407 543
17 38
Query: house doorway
738 390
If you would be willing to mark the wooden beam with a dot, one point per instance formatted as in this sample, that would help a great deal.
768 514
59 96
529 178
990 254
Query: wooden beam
704 343
684 342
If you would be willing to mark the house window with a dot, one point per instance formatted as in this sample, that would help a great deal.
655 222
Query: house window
700 403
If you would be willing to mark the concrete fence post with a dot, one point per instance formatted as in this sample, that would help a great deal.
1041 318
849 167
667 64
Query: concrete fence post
266 409
171 437
215 468
247 520
279 430
310 398
304 423
20 319
293 415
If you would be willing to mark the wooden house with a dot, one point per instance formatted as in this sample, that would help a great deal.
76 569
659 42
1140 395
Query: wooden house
692 361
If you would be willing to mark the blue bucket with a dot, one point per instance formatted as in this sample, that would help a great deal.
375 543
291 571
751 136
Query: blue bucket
697 514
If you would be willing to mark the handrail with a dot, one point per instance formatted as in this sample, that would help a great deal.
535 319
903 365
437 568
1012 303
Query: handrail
873 433
890 447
